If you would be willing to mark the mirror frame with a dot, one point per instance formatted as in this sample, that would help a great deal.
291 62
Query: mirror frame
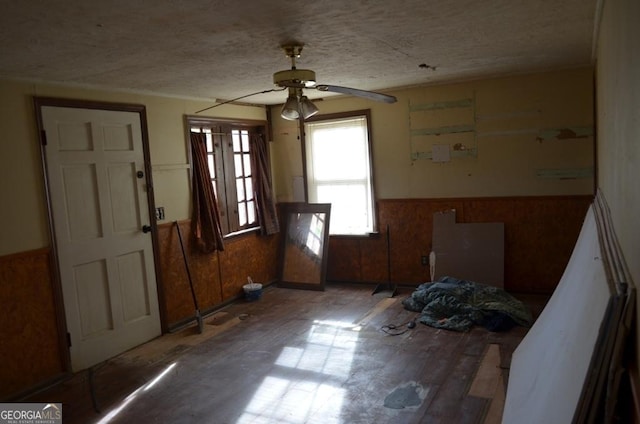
287 211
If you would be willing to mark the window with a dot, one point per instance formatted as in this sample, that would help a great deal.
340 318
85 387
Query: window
339 171
229 157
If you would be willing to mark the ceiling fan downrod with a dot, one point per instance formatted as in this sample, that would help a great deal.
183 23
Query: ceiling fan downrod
294 77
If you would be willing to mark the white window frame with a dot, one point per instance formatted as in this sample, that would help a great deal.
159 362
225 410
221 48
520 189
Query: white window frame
324 154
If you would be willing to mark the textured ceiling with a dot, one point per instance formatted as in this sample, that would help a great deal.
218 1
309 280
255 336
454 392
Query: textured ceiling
228 48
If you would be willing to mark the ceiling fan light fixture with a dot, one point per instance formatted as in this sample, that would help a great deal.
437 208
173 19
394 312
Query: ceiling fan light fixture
307 108
290 108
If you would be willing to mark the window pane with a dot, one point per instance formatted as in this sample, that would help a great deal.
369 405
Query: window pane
237 161
240 189
235 136
251 212
212 167
249 183
246 158
245 141
209 139
340 156
242 214
349 212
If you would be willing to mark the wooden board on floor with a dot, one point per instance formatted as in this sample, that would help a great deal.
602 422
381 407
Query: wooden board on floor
494 415
488 384
489 374
376 310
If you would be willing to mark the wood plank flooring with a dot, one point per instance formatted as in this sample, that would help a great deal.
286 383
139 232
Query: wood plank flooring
295 356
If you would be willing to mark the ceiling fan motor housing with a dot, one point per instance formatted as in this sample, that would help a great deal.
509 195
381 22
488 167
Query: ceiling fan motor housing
295 78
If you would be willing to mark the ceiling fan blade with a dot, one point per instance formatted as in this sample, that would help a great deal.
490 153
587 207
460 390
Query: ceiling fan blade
356 92
241 97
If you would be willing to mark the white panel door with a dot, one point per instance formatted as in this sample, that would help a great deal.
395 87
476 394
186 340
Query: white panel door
99 207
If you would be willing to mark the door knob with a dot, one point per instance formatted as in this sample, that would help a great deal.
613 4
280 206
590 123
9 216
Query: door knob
146 228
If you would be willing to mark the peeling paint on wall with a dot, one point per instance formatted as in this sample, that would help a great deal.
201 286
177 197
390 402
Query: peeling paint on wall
567 133
447 122
565 174
441 105
452 129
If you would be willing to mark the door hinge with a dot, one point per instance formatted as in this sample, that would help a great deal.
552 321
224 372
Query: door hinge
43 137
68 339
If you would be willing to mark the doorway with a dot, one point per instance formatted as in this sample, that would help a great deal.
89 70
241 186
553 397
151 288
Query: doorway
100 198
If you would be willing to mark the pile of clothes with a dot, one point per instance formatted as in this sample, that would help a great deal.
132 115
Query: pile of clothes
459 305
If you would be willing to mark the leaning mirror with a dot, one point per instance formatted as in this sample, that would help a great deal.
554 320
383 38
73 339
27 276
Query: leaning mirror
304 247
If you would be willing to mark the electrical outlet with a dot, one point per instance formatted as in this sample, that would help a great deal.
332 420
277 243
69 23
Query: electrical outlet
160 213
424 260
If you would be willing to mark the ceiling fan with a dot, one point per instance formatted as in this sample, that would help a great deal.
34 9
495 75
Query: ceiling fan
297 105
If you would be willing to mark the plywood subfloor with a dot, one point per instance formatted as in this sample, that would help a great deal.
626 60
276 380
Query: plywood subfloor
297 356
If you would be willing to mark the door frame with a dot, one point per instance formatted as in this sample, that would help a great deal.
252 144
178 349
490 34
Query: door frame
61 322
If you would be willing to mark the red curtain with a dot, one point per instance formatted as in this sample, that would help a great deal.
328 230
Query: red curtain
265 204
205 220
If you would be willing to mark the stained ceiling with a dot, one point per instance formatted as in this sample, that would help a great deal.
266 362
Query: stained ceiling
223 49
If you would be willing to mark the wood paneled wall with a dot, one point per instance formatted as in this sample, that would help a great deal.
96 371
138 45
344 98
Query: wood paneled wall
30 351
217 277
540 233
29 345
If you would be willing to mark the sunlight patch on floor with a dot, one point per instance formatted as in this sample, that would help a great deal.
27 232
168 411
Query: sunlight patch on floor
324 363
292 402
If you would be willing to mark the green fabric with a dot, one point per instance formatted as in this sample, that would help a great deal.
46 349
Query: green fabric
460 304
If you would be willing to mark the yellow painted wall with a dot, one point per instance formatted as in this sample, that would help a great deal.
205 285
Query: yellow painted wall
23 214
508 115
505 164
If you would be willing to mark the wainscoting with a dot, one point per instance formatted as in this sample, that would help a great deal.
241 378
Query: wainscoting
217 277
29 351
540 233
32 351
